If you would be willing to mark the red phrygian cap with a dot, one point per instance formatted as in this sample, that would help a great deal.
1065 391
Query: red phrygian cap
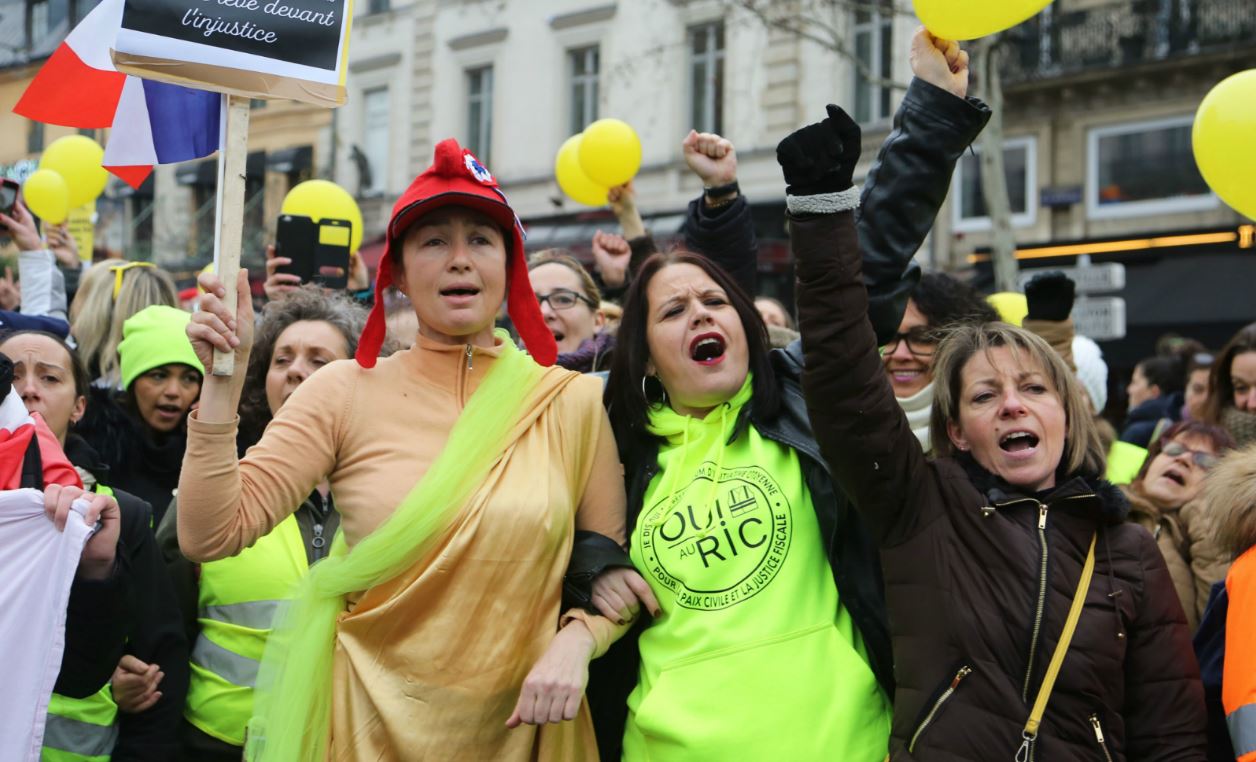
457 178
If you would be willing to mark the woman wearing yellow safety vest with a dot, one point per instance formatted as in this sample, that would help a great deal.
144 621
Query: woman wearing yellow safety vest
150 680
230 603
462 469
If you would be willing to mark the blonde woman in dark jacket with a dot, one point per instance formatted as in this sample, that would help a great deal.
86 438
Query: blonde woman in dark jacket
984 548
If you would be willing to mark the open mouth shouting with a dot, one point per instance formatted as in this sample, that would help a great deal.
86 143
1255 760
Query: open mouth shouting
459 294
1175 475
1021 444
707 349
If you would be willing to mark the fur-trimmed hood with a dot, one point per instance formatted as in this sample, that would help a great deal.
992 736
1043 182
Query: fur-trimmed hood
1231 494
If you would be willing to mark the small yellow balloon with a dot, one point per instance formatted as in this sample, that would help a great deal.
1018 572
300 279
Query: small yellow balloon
323 199
572 179
1011 306
47 196
610 153
970 19
77 158
1222 140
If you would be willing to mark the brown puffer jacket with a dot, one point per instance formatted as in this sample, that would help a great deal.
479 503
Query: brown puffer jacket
1185 538
969 563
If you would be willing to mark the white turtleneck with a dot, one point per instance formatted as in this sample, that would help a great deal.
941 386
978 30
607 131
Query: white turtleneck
918 407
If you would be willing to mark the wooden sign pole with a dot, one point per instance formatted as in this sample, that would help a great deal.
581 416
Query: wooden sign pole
231 214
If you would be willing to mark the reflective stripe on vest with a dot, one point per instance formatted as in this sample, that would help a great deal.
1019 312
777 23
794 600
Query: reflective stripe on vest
1242 725
81 730
237 601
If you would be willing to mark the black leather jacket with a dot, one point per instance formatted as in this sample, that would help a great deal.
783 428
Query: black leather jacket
902 194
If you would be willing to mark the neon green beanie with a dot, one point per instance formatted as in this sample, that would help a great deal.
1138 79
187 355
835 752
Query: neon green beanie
153 337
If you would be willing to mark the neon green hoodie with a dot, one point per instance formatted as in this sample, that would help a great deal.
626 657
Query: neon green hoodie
753 657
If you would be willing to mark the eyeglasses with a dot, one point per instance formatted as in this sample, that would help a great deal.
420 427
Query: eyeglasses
118 270
1204 460
562 299
920 342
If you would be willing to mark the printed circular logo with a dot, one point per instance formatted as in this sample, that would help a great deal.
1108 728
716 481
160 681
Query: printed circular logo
715 543
478 170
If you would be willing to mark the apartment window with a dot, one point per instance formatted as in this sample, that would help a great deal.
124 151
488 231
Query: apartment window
706 77
34 137
375 137
47 18
874 53
480 112
1019 167
377 6
584 64
1144 168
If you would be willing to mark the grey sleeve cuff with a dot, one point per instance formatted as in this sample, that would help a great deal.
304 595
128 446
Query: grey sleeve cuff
824 203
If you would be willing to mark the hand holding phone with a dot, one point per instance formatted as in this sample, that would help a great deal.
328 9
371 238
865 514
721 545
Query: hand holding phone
317 252
8 195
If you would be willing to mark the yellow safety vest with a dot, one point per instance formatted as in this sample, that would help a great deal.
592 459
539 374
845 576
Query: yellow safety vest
1124 462
238 599
81 730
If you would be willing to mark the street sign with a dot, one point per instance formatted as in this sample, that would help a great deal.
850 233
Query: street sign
1109 276
1101 318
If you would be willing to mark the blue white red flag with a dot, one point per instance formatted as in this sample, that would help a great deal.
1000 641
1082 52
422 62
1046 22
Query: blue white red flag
151 122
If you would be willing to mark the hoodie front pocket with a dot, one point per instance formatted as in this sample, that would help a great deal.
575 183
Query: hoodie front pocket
801 695
938 703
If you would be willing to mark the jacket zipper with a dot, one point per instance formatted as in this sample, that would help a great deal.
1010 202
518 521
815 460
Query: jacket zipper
318 542
963 672
1094 723
1042 599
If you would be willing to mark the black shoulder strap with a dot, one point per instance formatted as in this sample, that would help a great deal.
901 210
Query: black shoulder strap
33 466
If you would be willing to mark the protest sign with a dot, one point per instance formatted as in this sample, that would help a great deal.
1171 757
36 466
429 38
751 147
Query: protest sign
293 49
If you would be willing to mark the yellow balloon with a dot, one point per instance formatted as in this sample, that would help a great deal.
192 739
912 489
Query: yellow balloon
323 199
1222 139
610 153
77 158
1011 306
572 179
970 19
47 196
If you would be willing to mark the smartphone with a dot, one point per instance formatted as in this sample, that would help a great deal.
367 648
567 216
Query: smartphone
319 251
331 258
295 238
8 195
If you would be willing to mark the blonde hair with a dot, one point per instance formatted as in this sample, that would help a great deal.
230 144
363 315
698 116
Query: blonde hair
1083 452
96 317
1230 497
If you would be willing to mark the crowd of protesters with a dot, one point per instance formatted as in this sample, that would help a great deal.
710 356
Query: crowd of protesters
518 507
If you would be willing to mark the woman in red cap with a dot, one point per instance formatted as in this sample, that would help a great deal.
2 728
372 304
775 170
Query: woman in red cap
462 469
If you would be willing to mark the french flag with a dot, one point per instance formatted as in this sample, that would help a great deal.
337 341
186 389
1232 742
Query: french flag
151 122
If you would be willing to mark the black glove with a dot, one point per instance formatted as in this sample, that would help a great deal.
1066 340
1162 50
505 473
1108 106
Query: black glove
821 157
1050 296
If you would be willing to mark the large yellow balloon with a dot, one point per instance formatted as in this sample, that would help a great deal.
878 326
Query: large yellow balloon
970 19
1224 127
77 158
47 196
572 179
610 152
323 199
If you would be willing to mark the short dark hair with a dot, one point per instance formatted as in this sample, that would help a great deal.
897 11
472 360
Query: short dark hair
82 381
1221 440
1220 384
625 401
945 300
1167 372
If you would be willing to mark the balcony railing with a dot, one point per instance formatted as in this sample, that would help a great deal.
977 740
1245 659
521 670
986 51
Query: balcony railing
1125 34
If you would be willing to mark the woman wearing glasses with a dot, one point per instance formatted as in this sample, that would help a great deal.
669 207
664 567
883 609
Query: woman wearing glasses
570 305
1166 498
937 302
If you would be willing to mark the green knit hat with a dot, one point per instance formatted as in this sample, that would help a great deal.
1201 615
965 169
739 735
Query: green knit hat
153 337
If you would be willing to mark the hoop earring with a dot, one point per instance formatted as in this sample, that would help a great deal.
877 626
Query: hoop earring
646 394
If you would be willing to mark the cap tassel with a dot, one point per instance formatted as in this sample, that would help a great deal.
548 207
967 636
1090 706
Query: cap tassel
372 339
